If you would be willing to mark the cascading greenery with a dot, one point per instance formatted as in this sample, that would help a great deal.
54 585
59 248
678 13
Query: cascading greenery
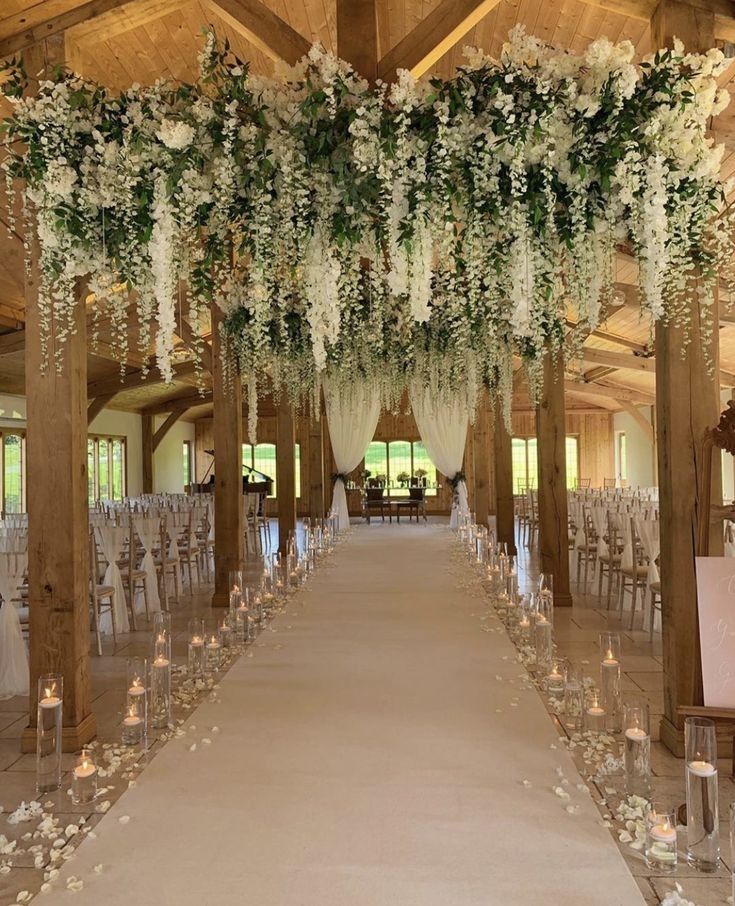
423 232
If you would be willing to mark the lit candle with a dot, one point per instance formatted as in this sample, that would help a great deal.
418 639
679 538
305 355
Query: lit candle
160 648
595 711
541 620
50 700
197 641
609 660
663 833
702 768
85 769
213 644
132 719
137 688
637 734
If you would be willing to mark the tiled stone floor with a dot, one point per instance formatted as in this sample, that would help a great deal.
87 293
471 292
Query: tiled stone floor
576 632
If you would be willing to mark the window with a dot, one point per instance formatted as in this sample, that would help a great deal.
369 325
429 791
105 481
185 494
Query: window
262 458
621 455
187 462
525 462
13 473
400 457
106 468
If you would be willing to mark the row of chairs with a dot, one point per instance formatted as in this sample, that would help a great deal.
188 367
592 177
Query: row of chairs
180 541
611 544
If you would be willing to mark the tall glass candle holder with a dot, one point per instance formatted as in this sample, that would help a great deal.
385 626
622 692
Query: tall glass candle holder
610 678
595 714
224 632
242 618
84 779
236 588
213 652
196 648
49 718
703 834
525 615
637 748
573 697
660 846
556 677
544 632
134 723
545 584
732 850
160 704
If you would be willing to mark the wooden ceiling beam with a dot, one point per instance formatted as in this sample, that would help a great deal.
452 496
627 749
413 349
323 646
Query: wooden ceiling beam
641 348
643 10
15 341
630 362
262 28
97 405
24 29
186 401
436 34
610 391
168 424
134 379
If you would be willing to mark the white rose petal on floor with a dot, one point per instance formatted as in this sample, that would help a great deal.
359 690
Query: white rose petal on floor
364 763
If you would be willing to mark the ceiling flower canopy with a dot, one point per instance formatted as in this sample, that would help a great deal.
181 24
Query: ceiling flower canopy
423 231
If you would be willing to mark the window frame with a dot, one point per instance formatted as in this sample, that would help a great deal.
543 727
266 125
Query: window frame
108 439
390 480
526 439
21 433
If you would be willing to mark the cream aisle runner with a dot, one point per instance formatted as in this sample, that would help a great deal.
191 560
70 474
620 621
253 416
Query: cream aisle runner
361 761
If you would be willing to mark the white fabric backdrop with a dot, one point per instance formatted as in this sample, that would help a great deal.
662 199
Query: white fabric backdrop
352 417
443 425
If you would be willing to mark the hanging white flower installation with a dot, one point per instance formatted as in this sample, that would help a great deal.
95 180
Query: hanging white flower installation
420 231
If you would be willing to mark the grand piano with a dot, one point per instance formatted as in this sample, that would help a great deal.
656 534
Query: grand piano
253 481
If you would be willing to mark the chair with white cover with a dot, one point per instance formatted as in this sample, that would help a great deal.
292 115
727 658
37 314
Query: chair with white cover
649 533
633 568
101 597
111 540
134 577
14 673
167 562
148 531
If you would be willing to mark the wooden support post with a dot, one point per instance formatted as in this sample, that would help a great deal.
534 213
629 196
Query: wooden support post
482 441
504 501
229 535
687 404
552 475
285 473
316 468
147 441
469 469
58 523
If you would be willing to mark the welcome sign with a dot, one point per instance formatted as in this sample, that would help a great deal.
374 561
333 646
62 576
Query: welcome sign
716 605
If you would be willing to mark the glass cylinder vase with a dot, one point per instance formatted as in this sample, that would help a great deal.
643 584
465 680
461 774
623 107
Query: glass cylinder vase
212 653
135 719
610 679
84 779
595 713
660 846
49 719
544 633
573 697
637 748
160 704
703 834
196 648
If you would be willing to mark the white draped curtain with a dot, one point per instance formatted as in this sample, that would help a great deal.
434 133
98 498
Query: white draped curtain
352 417
442 424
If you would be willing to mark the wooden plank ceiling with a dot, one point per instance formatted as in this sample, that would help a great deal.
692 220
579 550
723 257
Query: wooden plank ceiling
147 40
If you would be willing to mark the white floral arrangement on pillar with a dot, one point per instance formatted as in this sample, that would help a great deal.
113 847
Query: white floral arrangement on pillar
427 231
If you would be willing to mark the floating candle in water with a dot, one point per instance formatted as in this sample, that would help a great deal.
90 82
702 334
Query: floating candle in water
702 768
663 833
85 769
